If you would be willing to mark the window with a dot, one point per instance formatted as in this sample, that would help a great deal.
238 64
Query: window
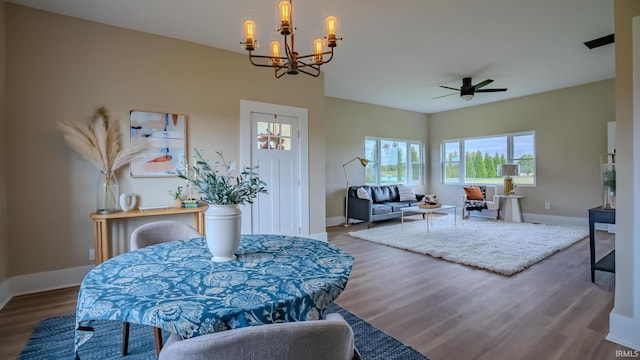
393 162
483 155
273 136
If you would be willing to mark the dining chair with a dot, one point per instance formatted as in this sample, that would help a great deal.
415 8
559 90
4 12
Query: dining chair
327 339
150 234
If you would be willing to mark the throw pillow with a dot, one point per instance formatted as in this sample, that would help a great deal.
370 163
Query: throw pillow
362 194
406 193
473 193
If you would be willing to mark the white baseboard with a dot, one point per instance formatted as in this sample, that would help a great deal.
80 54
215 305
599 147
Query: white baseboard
555 220
43 281
336 220
5 294
624 331
319 236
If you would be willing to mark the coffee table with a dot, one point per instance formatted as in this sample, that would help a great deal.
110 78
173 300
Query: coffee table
428 212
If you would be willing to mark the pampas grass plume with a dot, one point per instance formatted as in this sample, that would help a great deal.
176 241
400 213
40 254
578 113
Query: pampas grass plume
98 141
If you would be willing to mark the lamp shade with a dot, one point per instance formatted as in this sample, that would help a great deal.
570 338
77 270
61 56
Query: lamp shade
508 170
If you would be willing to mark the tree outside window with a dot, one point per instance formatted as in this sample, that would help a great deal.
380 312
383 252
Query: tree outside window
393 162
483 155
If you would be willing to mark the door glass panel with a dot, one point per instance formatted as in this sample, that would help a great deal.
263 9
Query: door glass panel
273 136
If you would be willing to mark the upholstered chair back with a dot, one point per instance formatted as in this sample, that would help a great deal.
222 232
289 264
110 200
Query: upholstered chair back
161 231
328 339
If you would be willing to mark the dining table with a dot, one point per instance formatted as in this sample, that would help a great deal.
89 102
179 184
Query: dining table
176 287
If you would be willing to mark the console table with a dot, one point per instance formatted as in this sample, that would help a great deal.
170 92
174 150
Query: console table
608 262
102 238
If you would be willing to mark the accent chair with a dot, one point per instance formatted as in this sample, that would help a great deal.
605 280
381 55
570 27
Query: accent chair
479 198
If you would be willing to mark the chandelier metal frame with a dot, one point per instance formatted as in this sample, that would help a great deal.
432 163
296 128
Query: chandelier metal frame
293 63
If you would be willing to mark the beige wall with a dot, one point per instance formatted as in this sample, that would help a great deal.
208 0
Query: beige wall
348 123
571 133
61 68
4 242
627 302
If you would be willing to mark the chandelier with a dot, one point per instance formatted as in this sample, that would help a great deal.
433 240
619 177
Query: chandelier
291 63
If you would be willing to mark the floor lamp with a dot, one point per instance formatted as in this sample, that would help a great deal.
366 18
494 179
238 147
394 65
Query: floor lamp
364 163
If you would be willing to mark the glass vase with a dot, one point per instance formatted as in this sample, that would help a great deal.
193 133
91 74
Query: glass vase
108 193
608 168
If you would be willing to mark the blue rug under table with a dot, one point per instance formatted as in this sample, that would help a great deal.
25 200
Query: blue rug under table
53 339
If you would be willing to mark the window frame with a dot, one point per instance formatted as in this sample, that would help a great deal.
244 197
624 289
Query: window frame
375 162
461 180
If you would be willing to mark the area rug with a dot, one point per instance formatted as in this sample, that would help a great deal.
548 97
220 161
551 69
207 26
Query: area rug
53 339
504 248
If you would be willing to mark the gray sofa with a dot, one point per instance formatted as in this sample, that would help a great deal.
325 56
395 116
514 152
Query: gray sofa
384 203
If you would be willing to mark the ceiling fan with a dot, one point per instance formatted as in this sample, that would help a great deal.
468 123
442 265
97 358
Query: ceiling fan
467 90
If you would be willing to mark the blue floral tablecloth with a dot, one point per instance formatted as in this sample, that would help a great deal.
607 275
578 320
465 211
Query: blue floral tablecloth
176 287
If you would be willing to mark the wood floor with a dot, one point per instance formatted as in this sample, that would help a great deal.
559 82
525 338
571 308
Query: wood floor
444 310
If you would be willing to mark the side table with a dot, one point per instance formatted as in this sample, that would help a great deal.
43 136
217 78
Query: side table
512 211
607 262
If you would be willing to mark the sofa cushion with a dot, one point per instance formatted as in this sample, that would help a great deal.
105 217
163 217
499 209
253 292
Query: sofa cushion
363 193
396 205
406 193
380 209
381 194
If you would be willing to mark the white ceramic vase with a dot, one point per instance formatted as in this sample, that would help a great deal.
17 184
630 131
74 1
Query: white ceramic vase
223 225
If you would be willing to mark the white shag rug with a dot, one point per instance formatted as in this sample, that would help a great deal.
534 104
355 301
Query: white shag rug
505 248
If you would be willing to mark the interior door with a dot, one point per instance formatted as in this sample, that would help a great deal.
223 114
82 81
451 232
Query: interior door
276 153
276 139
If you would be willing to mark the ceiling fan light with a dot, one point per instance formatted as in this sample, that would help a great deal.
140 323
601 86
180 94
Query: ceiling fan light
467 96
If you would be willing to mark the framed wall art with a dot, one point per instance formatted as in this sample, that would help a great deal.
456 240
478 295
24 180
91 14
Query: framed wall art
166 134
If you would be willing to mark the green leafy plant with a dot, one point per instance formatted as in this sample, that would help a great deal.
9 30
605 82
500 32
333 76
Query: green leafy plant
609 179
176 194
218 186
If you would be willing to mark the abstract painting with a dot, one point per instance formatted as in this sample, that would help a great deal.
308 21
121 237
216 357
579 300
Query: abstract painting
166 134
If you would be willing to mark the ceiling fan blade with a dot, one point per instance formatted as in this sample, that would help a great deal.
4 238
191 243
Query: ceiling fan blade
484 83
601 41
491 90
450 88
441 96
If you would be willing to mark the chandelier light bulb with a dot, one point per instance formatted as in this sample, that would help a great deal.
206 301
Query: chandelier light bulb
318 45
285 12
275 52
275 48
250 34
332 24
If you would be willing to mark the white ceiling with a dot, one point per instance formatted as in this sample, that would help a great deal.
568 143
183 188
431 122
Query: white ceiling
397 53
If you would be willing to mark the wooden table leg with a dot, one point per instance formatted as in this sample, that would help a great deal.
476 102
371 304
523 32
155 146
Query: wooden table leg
157 335
199 222
102 243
